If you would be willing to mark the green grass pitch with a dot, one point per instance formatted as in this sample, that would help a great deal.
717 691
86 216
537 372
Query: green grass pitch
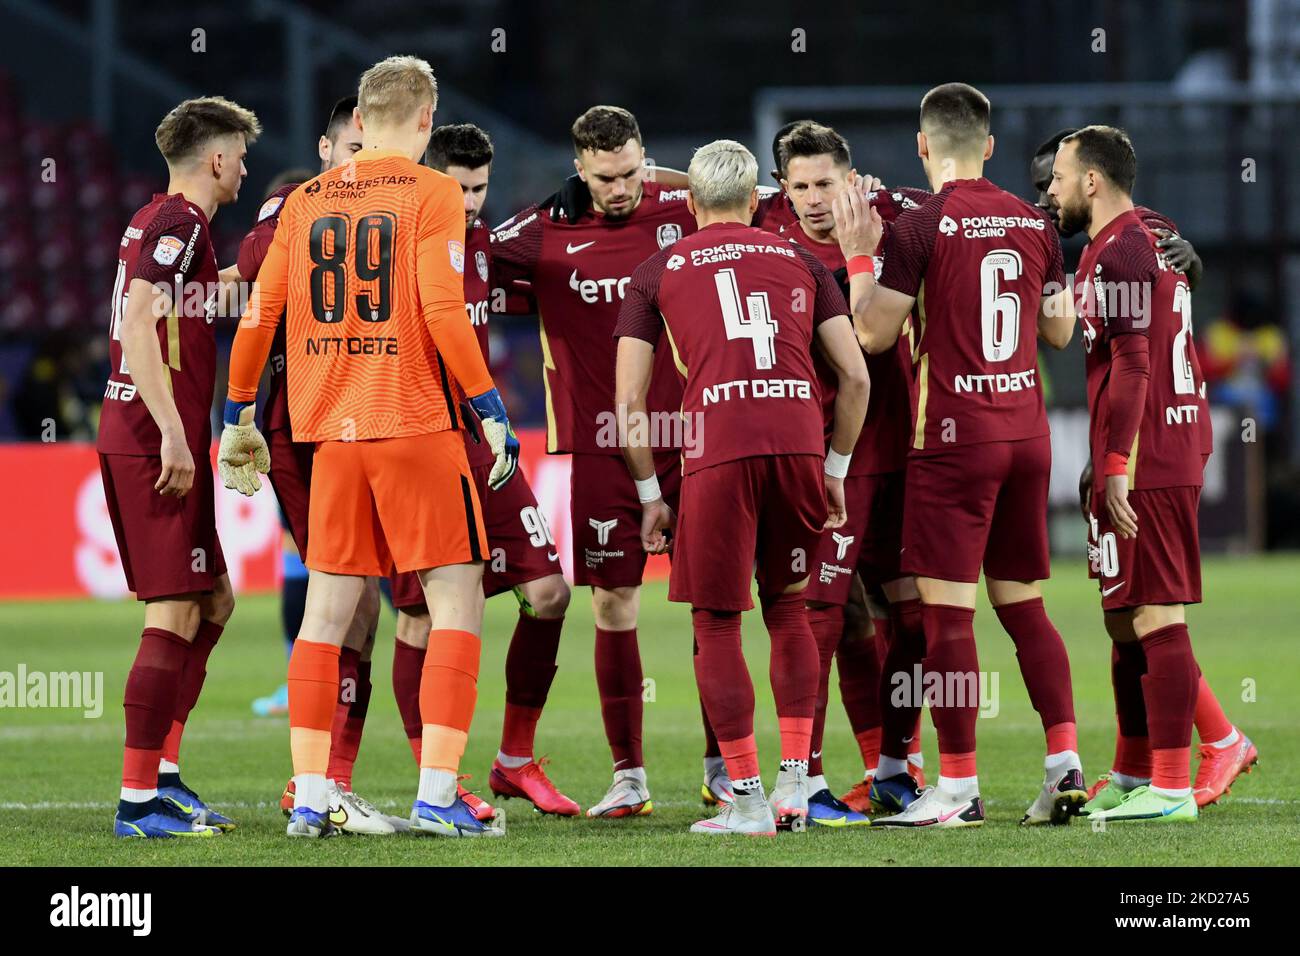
59 775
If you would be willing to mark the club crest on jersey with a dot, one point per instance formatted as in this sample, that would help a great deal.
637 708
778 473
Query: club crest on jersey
481 264
456 253
947 226
269 207
667 234
168 248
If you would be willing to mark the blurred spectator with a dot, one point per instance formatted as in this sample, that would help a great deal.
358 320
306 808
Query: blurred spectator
63 384
1246 362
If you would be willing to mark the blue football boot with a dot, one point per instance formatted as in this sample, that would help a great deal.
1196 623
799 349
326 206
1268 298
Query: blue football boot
893 794
456 820
187 803
157 820
314 824
828 810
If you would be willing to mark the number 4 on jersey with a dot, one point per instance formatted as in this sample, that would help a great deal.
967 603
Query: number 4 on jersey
755 323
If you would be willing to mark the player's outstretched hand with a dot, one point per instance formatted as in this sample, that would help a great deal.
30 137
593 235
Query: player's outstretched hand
656 526
177 467
1085 491
1178 252
1122 514
501 438
857 224
243 453
836 514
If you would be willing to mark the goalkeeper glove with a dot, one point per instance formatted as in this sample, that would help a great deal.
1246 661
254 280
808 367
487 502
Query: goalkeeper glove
570 202
243 450
500 436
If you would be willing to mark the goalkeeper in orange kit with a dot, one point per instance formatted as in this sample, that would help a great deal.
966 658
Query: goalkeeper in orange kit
366 267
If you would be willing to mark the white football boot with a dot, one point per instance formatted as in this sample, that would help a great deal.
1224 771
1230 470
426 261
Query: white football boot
747 814
1063 795
935 809
628 796
789 800
354 814
716 788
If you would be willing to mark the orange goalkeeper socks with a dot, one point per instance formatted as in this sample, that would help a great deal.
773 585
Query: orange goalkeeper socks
313 692
448 692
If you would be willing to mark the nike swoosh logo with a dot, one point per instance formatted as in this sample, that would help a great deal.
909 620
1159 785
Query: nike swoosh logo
182 807
908 740
571 248
1168 810
552 556
815 754
945 817
338 817
1107 592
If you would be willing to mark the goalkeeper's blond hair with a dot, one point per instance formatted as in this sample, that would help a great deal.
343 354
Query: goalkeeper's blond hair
392 90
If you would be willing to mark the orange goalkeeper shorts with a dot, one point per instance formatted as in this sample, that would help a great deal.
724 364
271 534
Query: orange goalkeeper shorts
408 502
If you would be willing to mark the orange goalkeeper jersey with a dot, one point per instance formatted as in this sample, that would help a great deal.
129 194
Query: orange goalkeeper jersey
366 268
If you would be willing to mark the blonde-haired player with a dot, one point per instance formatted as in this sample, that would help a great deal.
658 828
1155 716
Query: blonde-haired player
367 267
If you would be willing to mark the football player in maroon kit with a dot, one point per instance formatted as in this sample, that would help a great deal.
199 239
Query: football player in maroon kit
816 167
984 265
522 555
1225 752
762 463
290 477
579 271
1144 390
154 447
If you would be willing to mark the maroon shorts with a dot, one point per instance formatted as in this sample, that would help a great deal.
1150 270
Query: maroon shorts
291 479
869 542
520 545
974 505
756 517
1162 565
169 546
606 516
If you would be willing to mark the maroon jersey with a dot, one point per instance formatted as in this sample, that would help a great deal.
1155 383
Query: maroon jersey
166 242
730 298
579 273
1154 220
252 250
478 292
775 211
1127 288
882 443
978 261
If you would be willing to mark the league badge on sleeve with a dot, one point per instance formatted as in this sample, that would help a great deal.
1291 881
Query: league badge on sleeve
456 252
269 207
168 248
667 234
481 263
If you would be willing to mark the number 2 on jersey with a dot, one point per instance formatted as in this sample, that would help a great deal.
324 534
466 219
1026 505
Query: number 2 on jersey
1184 380
754 323
374 263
